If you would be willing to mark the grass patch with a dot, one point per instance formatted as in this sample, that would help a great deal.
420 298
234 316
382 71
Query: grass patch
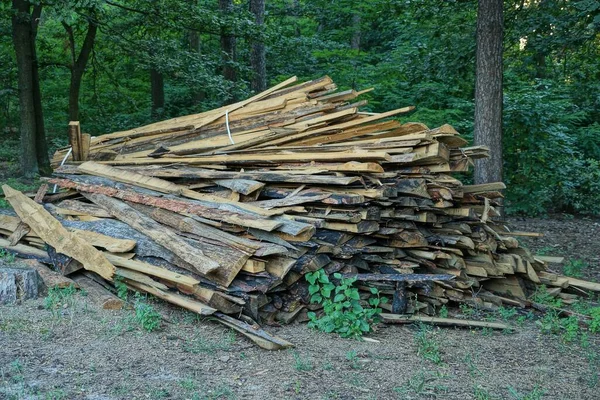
301 364
535 394
427 345
423 383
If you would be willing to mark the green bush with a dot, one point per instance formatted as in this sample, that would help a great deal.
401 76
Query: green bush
545 167
343 312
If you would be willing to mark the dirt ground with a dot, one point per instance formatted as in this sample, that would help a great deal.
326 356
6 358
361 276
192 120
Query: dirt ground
78 352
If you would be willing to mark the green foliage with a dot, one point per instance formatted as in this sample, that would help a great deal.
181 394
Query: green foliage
301 364
121 287
551 66
423 383
545 167
574 268
343 312
7 256
536 393
145 315
427 344
59 297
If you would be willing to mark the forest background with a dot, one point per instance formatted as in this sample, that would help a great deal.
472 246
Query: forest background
116 64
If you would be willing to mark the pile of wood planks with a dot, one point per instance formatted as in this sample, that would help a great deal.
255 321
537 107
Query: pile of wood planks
223 212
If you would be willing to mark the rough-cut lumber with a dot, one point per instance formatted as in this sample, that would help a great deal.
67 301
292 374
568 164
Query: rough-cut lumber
294 180
97 294
182 206
399 319
52 232
182 301
195 258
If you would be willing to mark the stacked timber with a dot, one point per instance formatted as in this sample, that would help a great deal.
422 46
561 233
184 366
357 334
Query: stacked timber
225 211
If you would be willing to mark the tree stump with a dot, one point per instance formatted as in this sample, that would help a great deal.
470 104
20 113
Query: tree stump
18 282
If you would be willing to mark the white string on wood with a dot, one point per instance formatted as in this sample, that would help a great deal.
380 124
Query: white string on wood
227 125
62 163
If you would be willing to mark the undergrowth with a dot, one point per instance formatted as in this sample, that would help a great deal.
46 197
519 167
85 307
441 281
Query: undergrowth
343 312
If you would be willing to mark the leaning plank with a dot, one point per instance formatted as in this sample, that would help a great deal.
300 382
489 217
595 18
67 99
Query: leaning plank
110 243
400 277
50 230
252 332
400 319
182 301
198 262
173 204
98 294
581 284
149 269
159 185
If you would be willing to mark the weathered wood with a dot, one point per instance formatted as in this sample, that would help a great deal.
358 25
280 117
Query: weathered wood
22 229
18 282
181 206
404 319
97 294
399 277
182 301
52 232
195 259
51 279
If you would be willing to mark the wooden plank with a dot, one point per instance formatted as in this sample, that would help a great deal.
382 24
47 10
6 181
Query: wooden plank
210 211
52 232
399 277
195 259
159 185
400 319
243 186
75 140
182 301
98 294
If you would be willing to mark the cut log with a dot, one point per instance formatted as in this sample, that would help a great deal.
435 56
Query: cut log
18 282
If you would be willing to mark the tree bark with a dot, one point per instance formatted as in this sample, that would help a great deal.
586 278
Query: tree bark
22 41
78 64
258 54
157 89
228 45
488 90
41 145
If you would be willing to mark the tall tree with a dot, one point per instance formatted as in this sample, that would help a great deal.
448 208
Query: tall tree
34 154
257 54
157 91
488 89
79 62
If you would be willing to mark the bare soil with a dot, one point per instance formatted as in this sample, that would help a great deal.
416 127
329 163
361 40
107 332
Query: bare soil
78 352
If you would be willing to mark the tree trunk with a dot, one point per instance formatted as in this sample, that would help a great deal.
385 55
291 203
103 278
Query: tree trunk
78 65
22 41
488 90
228 44
41 145
157 89
257 56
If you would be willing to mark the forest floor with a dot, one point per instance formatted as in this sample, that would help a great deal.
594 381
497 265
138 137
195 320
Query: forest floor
78 352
